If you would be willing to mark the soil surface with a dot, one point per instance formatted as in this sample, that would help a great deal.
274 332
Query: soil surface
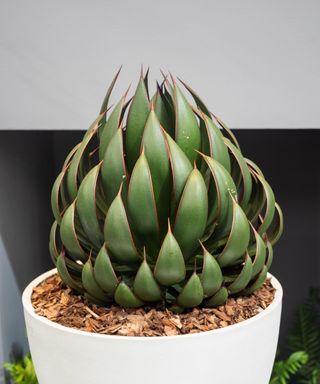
55 301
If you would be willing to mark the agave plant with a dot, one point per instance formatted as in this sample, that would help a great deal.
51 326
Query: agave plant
158 206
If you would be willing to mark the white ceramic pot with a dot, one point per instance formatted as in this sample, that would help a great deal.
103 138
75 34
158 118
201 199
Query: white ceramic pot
238 354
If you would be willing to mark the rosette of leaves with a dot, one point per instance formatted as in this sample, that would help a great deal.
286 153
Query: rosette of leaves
158 206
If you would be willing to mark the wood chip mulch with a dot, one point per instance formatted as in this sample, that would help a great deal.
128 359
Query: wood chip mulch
53 300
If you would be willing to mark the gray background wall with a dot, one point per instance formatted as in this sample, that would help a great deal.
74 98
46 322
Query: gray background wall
256 63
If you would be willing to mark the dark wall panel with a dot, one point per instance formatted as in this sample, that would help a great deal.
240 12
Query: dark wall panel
289 158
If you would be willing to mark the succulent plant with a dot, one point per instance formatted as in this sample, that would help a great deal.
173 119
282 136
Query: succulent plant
158 206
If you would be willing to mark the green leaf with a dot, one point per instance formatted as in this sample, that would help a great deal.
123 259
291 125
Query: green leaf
125 297
170 267
270 254
113 170
73 175
283 370
197 99
187 131
180 167
238 239
69 235
257 283
243 277
137 117
70 156
276 228
110 127
65 275
162 113
246 180
211 277
57 210
156 153
90 284
87 209
305 334
260 254
192 213
226 130
257 199
145 285
104 273
213 143
270 208
141 202
192 293
220 210
218 298
117 233
53 249
104 106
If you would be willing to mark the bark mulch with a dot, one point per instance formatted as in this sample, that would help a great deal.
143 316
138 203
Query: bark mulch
53 300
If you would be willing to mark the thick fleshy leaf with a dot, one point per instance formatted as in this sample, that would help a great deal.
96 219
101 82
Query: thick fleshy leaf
162 113
145 285
246 180
104 273
146 80
90 284
170 267
187 132
220 210
137 117
56 203
83 151
53 249
218 298
243 277
226 130
156 152
74 267
211 276
105 103
125 297
257 199
180 168
87 209
69 235
70 156
270 207
65 275
197 99
260 254
254 167
117 233
270 255
261 278
110 127
113 169
141 202
238 239
192 213
276 228
192 293
213 143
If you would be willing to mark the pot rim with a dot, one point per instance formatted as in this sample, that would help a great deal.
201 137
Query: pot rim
26 301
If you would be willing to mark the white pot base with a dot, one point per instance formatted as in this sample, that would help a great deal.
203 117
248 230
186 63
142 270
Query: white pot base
238 354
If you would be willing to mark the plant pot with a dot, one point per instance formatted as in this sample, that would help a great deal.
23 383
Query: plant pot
238 354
